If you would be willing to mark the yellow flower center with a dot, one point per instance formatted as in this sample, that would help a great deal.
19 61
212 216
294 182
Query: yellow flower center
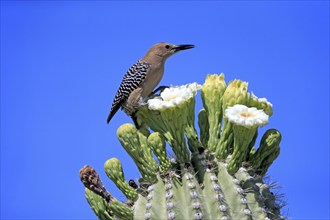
246 114
169 98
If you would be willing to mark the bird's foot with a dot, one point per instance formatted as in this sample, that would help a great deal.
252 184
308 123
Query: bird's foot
143 101
160 89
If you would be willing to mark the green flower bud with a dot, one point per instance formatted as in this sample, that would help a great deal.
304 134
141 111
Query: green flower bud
212 91
158 146
115 172
235 93
135 144
267 152
261 103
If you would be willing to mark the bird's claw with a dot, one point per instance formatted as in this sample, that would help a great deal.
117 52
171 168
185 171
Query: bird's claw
160 88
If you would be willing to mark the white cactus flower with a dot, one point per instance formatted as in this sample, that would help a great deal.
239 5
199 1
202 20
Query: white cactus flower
174 96
263 100
245 116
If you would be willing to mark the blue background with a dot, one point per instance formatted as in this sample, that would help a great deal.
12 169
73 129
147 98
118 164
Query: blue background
61 63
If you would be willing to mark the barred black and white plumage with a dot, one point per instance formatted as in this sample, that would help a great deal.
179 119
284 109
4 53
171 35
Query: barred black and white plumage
133 78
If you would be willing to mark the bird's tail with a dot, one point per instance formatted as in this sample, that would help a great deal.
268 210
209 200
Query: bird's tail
113 111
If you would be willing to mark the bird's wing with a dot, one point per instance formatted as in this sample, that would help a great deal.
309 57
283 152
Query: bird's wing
132 80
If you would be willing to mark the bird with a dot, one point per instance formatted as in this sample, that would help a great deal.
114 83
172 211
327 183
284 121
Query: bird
142 77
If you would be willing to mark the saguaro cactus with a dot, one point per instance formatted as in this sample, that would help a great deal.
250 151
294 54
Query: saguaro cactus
217 176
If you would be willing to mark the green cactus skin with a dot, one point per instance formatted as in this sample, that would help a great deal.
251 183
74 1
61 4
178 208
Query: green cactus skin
204 126
193 141
242 138
218 176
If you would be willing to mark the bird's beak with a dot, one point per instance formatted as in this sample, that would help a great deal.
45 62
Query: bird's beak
183 47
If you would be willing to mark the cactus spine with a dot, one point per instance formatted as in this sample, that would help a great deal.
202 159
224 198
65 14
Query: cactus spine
217 176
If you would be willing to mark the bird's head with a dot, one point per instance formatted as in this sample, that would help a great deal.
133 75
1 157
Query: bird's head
165 50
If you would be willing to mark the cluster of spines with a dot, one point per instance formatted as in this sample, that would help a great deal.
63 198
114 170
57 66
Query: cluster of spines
169 196
219 207
220 195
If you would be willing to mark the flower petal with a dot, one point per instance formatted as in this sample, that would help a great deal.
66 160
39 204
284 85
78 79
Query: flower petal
174 96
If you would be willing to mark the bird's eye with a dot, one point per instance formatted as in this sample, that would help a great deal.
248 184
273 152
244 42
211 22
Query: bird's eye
167 46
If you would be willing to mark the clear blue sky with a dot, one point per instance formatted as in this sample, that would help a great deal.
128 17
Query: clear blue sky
61 63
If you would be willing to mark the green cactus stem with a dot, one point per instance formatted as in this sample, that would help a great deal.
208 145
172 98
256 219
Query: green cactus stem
193 141
242 138
204 126
252 194
219 175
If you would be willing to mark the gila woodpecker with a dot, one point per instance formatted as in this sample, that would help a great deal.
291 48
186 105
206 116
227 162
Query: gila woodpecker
141 78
